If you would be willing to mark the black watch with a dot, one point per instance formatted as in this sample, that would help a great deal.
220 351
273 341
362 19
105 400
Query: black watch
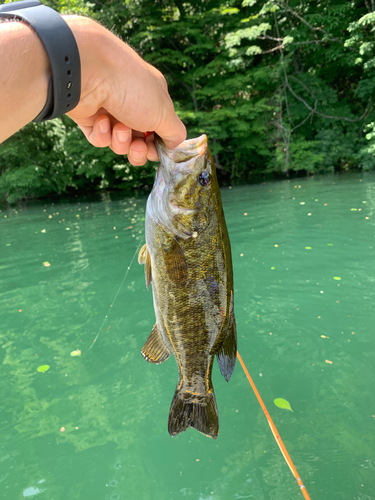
64 88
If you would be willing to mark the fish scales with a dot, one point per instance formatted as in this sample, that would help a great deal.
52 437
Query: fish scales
187 259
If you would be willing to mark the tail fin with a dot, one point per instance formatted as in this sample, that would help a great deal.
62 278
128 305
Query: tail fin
201 413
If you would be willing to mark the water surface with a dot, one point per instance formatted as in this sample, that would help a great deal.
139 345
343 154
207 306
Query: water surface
95 426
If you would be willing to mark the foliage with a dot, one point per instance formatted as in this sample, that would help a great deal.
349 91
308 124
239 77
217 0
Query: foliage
54 158
279 88
34 161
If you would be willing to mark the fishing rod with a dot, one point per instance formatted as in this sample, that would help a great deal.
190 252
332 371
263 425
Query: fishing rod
275 433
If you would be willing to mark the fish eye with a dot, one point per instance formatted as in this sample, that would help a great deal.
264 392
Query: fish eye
204 178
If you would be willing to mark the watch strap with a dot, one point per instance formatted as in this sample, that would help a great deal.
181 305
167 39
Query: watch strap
64 88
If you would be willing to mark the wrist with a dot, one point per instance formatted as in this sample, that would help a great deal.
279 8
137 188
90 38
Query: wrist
24 76
95 44
64 89
109 68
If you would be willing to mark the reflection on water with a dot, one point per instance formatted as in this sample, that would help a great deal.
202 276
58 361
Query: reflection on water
32 490
303 254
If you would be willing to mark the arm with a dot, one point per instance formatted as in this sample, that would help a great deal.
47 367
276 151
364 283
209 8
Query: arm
24 77
121 95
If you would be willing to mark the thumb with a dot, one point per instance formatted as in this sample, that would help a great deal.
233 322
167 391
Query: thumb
172 131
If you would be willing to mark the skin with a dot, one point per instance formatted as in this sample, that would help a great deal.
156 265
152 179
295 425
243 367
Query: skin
191 273
122 96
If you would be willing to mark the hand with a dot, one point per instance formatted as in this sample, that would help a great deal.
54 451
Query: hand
122 97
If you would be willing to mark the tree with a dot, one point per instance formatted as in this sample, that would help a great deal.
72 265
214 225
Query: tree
279 88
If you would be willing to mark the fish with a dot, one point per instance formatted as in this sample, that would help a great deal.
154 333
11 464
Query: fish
187 259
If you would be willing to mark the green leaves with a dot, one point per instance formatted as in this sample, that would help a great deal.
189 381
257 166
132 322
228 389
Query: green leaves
265 111
251 33
288 39
282 403
43 368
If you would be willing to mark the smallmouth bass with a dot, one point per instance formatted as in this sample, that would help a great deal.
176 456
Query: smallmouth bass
187 259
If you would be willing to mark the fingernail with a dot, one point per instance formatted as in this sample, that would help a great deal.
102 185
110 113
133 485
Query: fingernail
123 135
104 126
138 155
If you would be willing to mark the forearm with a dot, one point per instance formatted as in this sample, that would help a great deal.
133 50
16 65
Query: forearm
122 97
24 77
25 71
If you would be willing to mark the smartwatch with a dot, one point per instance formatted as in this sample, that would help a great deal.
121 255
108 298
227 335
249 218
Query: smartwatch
64 87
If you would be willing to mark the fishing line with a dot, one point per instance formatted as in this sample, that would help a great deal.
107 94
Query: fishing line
118 291
275 433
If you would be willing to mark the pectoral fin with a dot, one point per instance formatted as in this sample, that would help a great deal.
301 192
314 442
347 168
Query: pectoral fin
175 262
154 350
144 258
227 353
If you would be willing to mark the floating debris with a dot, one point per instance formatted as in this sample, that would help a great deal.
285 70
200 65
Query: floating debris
43 368
282 403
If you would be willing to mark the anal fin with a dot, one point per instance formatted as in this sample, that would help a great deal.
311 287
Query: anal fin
154 350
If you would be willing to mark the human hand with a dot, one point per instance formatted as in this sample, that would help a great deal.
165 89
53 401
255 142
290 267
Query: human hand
122 97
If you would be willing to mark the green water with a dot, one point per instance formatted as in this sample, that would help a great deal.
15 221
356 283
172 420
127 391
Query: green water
114 405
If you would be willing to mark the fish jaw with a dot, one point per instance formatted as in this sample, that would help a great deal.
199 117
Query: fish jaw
181 157
178 201
180 169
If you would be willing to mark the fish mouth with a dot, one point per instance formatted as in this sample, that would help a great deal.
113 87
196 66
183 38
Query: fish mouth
187 150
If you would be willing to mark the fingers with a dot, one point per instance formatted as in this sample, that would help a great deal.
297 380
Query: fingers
121 139
142 149
132 143
138 152
101 134
152 154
